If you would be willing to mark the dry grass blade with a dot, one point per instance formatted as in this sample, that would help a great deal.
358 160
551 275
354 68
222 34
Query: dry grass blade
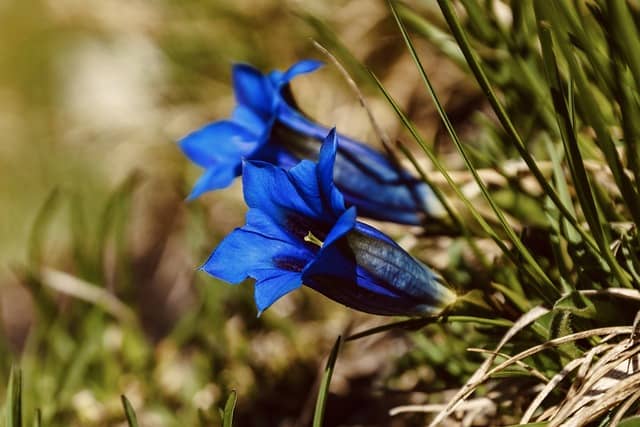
581 363
471 404
78 288
363 102
483 373
471 409
623 409
625 293
619 393
613 330
549 387
605 388
479 375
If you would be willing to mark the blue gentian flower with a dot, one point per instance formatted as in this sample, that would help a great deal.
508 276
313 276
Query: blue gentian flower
299 231
267 126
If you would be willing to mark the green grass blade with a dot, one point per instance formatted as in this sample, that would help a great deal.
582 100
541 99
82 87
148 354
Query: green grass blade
505 121
626 34
129 412
545 287
591 109
433 34
41 224
37 420
323 392
13 405
229 407
630 422
570 141
574 156
410 324
585 37
629 110
429 152
452 214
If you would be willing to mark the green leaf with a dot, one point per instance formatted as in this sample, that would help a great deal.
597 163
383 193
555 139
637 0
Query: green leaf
229 407
37 420
129 412
439 38
13 406
323 392
630 422
39 229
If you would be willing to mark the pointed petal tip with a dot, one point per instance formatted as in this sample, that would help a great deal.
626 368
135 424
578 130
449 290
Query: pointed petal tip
195 193
301 67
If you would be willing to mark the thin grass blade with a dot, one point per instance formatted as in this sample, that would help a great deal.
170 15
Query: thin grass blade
323 392
229 407
13 405
129 412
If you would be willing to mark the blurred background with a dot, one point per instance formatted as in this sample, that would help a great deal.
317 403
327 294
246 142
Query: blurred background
99 293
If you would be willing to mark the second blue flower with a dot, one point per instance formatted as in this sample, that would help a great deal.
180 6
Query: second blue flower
267 126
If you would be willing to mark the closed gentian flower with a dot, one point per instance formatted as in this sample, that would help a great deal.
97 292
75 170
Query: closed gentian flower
298 231
266 125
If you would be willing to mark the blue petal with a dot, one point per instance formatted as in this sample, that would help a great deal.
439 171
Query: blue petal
345 223
396 270
331 258
367 178
215 178
219 142
304 178
374 233
248 253
307 188
253 89
270 189
260 223
302 67
279 78
330 193
275 285
247 118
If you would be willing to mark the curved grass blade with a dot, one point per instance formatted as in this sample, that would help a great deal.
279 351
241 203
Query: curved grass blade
37 420
439 38
630 422
39 229
13 405
323 392
129 412
229 407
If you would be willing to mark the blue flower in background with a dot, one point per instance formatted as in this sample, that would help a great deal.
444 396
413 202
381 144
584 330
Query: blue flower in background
267 126
299 231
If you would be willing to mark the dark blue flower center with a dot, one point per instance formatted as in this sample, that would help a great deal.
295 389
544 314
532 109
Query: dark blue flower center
301 226
289 264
